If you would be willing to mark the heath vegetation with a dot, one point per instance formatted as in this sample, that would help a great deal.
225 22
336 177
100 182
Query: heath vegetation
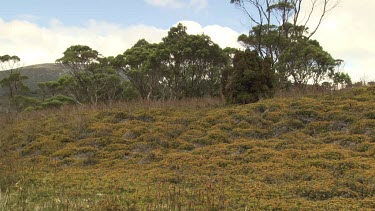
310 152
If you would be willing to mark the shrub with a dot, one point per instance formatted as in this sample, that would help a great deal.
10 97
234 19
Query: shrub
250 79
217 136
345 140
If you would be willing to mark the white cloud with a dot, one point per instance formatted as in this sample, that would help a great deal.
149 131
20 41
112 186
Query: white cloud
347 33
166 3
35 44
199 4
196 4
223 36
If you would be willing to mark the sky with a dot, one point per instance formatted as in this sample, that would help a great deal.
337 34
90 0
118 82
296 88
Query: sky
39 31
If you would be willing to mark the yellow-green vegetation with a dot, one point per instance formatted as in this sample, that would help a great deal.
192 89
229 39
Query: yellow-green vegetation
301 153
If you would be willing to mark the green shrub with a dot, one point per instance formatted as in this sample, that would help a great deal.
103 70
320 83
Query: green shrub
370 115
345 140
217 136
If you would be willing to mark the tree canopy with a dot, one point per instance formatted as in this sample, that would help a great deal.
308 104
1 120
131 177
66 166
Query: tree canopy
182 65
279 52
13 81
280 33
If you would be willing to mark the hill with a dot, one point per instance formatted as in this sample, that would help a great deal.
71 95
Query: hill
308 153
37 73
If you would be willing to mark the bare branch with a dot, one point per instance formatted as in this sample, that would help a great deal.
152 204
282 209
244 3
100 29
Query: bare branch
326 9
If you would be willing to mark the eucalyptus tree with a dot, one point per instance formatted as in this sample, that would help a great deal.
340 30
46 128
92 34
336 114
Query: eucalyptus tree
306 61
342 79
91 77
140 66
192 63
286 15
182 65
12 79
49 88
280 32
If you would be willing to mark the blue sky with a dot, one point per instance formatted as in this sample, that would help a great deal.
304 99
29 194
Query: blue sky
125 12
39 31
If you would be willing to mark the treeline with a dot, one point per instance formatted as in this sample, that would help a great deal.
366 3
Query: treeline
183 66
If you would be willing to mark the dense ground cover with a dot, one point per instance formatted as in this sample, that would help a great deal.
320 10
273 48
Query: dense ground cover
311 152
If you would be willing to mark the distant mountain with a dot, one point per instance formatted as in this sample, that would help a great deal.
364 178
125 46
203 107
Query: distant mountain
37 73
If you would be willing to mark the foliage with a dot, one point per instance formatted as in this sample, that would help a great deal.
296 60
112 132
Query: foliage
14 81
23 103
49 88
280 33
139 66
250 79
193 63
92 79
304 61
283 154
181 66
342 79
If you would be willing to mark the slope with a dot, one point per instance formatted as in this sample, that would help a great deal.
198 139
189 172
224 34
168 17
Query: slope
308 153
37 73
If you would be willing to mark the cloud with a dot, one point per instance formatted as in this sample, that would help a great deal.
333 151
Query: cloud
35 44
223 36
177 4
166 3
199 4
347 34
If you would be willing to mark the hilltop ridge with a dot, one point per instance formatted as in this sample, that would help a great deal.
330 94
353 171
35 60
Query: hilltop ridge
37 73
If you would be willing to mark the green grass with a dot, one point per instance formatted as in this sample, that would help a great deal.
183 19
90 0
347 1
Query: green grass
300 153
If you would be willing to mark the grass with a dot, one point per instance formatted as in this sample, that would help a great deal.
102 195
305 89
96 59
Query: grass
295 153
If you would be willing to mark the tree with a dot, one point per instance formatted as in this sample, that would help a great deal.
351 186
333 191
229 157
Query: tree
14 80
49 88
192 64
304 61
342 79
77 59
182 65
91 78
141 68
287 14
280 30
250 79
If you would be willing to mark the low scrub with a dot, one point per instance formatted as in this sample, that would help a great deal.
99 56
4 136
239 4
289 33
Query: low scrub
278 154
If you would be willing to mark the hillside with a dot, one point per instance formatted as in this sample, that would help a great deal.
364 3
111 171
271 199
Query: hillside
37 73
308 153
